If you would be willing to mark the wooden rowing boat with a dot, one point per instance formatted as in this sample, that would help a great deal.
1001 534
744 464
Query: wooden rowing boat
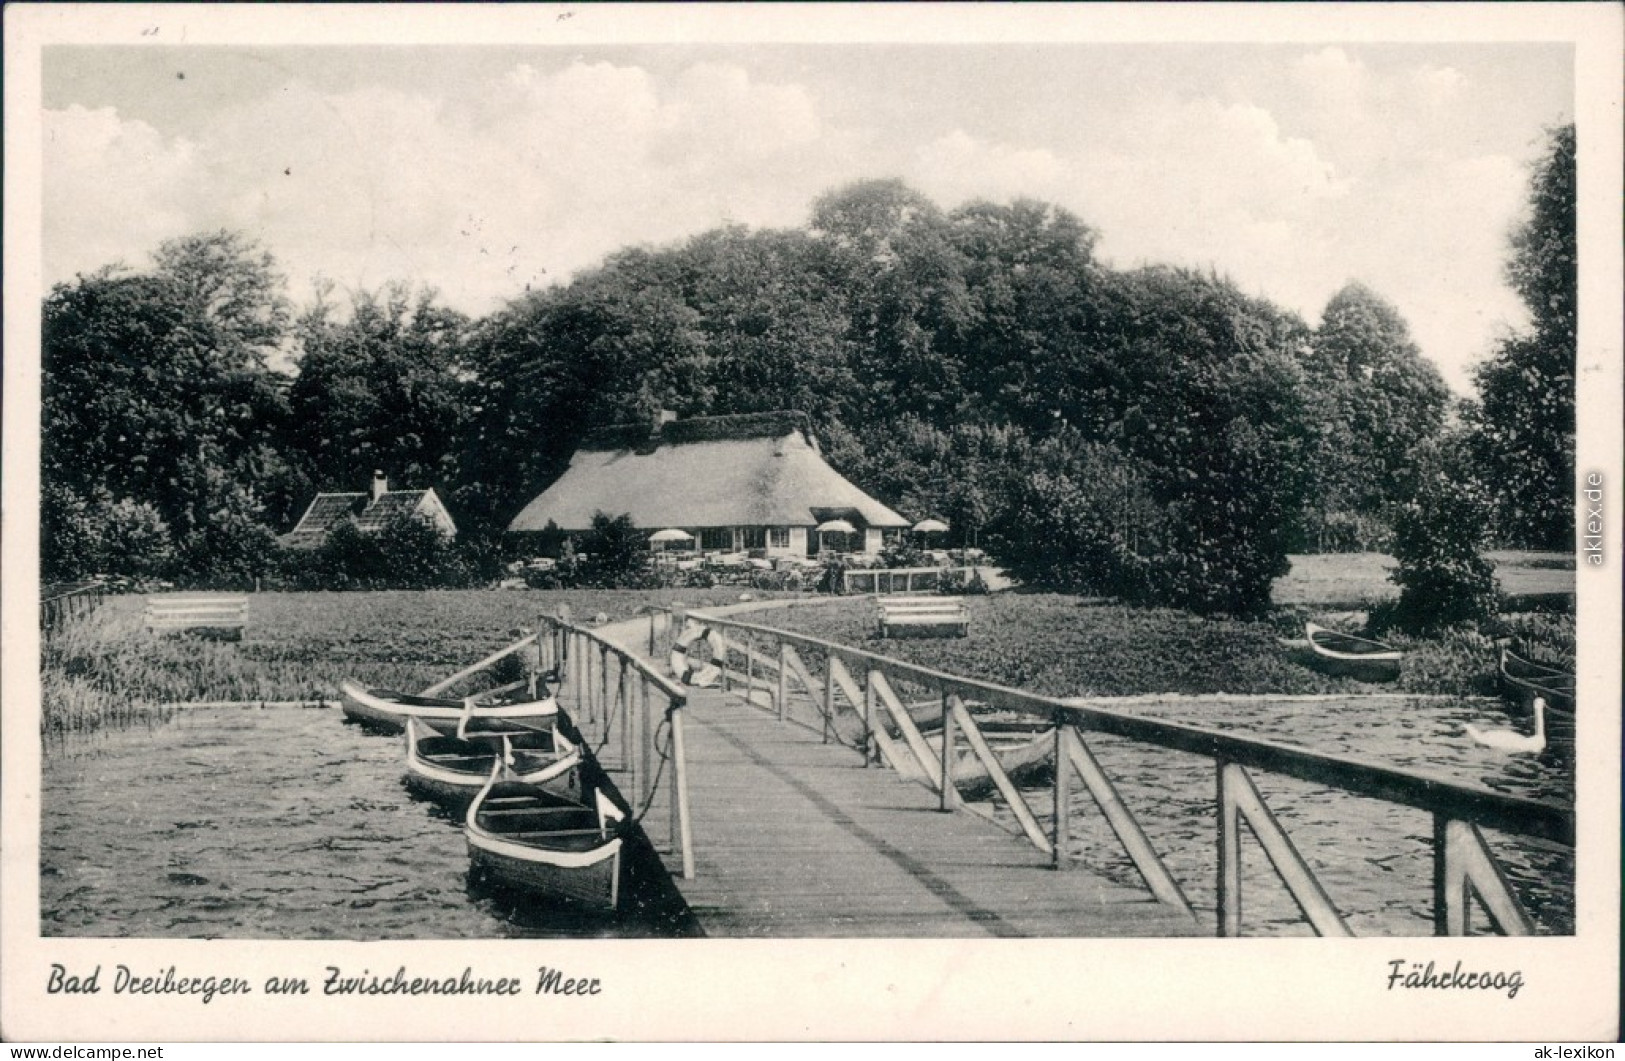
1346 655
386 710
927 718
452 769
1524 679
1026 763
524 837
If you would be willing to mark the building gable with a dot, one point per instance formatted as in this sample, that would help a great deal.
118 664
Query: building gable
762 470
371 514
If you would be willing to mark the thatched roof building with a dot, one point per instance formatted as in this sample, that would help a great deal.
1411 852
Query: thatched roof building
756 481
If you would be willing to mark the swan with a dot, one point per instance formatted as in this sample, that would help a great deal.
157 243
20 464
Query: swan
1510 740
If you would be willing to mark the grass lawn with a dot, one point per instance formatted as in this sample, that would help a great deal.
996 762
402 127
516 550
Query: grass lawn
1354 580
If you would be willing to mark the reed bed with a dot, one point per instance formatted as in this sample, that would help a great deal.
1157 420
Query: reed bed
106 669
1058 645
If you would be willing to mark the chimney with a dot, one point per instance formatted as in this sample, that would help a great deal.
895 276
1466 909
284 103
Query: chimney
380 485
657 422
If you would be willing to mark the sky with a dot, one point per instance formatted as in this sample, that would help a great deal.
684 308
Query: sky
481 170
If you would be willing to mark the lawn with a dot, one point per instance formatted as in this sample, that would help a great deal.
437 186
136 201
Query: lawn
1352 581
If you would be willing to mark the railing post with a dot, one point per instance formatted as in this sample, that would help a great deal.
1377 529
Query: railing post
582 672
647 729
868 717
829 693
1443 908
679 757
676 773
784 685
1229 882
603 674
1059 857
750 670
948 794
651 637
584 682
629 740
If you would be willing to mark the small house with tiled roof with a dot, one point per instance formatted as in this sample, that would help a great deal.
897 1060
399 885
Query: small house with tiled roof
371 512
750 482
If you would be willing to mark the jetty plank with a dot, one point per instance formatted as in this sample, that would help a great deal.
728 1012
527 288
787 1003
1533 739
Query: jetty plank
795 838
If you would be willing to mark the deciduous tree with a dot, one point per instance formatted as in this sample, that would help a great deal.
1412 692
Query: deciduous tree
1523 419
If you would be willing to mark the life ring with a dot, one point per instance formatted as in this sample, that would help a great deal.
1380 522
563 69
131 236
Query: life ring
702 675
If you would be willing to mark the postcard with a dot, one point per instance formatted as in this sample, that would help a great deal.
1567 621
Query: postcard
812 522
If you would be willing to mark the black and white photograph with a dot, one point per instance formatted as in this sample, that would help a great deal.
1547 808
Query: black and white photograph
812 522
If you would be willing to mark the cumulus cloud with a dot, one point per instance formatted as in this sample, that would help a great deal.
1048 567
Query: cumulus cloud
113 189
958 167
520 176
529 176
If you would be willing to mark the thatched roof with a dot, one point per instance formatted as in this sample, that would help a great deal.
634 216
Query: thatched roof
721 471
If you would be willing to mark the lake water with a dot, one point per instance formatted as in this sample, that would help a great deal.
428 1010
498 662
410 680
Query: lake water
288 824
1373 858
277 824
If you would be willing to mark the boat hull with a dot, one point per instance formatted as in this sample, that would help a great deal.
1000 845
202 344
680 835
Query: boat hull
452 771
1523 680
386 711
595 884
1026 764
1347 656
524 838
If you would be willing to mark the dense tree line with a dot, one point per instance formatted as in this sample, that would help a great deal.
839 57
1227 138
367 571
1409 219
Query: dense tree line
1152 433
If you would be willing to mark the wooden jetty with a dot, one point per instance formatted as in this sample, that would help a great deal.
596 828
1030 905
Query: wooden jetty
794 837
799 798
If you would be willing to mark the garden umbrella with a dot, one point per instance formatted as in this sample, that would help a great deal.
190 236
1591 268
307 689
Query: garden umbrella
930 526
836 526
671 534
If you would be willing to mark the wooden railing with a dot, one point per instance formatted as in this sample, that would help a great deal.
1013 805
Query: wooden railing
858 698
632 718
61 603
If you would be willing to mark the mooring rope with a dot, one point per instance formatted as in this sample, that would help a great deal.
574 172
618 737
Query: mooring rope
660 770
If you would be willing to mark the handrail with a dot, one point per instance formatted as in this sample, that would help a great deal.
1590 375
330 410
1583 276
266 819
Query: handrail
69 589
68 601
1463 865
628 706
1414 788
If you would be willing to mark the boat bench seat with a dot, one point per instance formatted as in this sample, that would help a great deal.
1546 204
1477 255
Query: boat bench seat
221 617
902 615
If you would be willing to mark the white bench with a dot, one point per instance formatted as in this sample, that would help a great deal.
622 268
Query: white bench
222 617
947 614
